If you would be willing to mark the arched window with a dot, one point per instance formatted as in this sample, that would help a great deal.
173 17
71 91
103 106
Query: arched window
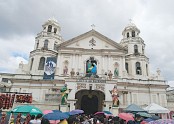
31 63
133 33
127 68
147 69
135 49
37 45
138 68
46 44
41 63
55 46
143 50
49 28
55 30
127 34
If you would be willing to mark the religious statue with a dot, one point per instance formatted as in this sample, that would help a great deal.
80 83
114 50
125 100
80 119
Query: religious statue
65 70
114 94
116 72
91 69
64 92
72 73
110 75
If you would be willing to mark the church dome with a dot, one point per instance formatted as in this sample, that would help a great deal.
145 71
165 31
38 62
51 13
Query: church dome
52 21
129 28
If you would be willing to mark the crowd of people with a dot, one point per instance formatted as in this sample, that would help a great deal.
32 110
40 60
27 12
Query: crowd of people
75 119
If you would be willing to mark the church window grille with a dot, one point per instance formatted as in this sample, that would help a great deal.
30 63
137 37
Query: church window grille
128 35
55 30
138 68
49 28
127 67
133 33
31 63
135 49
41 63
46 44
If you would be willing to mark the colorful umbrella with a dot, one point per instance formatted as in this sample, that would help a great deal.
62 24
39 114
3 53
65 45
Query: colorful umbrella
148 119
25 109
162 121
50 111
56 116
144 114
107 112
99 113
57 111
125 116
47 111
154 117
76 111
54 122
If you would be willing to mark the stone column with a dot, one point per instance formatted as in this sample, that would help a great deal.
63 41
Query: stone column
73 61
109 62
58 64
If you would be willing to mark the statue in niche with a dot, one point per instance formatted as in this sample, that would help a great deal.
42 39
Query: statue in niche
91 69
114 94
110 75
116 70
65 70
72 73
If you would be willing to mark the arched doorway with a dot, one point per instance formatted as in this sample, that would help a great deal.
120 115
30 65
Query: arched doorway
89 104
90 101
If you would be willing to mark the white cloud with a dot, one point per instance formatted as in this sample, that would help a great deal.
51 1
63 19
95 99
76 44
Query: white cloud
13 51
21 21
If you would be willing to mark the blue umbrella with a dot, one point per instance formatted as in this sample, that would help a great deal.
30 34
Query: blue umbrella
57 111
76 111
148 119
107 112
56 116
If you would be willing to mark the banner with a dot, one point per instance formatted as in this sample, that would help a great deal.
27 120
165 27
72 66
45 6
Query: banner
50 68
7 99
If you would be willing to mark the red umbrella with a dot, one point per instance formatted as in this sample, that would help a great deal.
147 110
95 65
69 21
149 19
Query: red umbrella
125 116
47 111
98 113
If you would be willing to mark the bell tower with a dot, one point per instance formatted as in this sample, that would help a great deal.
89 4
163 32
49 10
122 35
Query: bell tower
136 62
46 43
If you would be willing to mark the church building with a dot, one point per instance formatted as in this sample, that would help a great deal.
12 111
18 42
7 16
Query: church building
92 66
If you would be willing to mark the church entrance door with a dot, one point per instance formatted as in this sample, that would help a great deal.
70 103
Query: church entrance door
89 104
90 101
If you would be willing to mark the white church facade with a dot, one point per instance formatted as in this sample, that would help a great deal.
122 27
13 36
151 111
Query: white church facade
124 65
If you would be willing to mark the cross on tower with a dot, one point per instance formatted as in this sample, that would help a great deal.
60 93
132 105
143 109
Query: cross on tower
93 26
130 20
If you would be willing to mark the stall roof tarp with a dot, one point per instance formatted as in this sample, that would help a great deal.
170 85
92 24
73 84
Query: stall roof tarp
155 108
134 108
